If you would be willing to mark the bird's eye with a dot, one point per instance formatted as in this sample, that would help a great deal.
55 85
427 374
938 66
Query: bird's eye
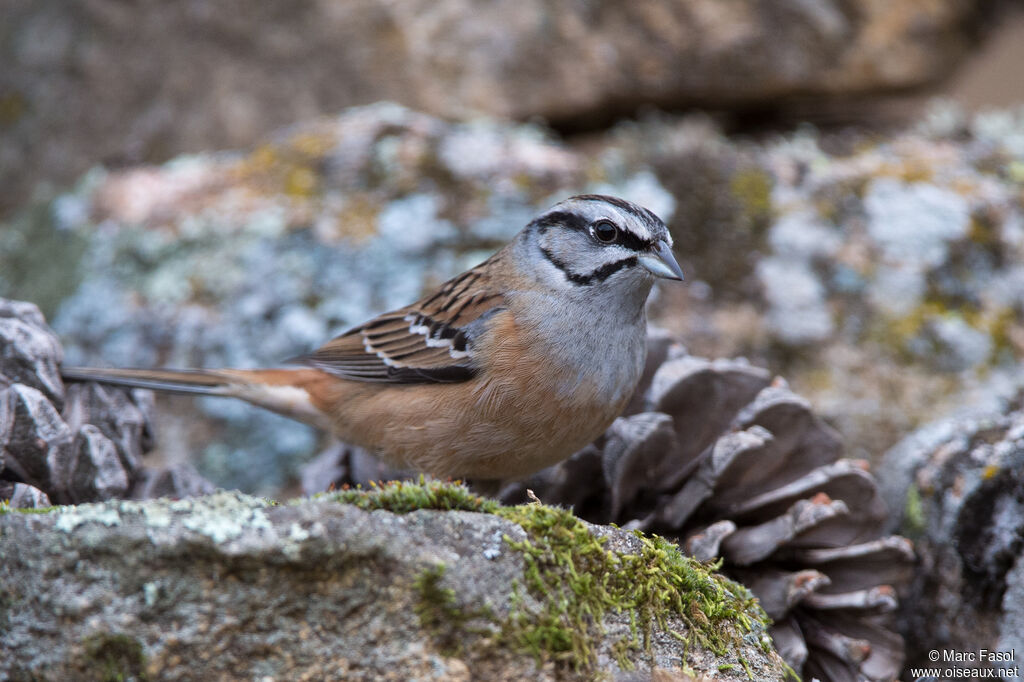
604 231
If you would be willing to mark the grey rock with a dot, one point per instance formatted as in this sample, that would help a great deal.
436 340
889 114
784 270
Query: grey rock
229 585
96 470
959 484
123 416
81 444
1011 629
798 311
29 350
22 496
177 482
38 447
130 71
22 310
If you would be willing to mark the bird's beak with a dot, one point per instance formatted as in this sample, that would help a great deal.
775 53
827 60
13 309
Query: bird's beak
661 263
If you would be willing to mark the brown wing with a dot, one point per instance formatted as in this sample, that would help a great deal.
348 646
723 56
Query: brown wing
428 341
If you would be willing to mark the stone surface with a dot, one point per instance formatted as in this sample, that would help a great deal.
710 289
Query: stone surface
228 585
147 81
29 350
22 496
76 444
957 486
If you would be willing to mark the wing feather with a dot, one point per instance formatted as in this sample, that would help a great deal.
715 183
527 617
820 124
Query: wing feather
429 341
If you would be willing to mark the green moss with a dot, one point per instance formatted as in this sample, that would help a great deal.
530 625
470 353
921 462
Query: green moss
6 508
402 497
911 330
913 513
114 657
439 613
289 168
985 232
436 604
1002 325
899 331
753 187
1015 171
577 581
909 339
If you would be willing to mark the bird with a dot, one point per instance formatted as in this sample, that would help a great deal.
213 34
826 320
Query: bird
503 370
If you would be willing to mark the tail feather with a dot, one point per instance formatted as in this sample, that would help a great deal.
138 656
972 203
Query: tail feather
302 394
190 381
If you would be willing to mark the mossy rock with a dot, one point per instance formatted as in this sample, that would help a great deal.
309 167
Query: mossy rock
340 587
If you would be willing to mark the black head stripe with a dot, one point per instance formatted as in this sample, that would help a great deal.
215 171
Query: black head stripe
566 219
609 269
639 212
574 221
632 242
586 279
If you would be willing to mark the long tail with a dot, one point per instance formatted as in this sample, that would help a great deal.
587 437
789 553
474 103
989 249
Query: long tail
301 394
193 381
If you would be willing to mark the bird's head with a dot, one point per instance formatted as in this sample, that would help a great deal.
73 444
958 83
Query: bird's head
600 243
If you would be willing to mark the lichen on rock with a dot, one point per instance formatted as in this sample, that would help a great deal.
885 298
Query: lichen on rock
957 487
299 588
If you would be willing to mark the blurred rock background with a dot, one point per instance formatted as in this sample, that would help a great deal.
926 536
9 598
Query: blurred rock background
213 183
105 81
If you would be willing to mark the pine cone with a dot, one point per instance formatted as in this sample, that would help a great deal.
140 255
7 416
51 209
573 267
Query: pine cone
735 465
78 444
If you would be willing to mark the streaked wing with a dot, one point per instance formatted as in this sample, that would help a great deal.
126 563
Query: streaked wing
428 341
